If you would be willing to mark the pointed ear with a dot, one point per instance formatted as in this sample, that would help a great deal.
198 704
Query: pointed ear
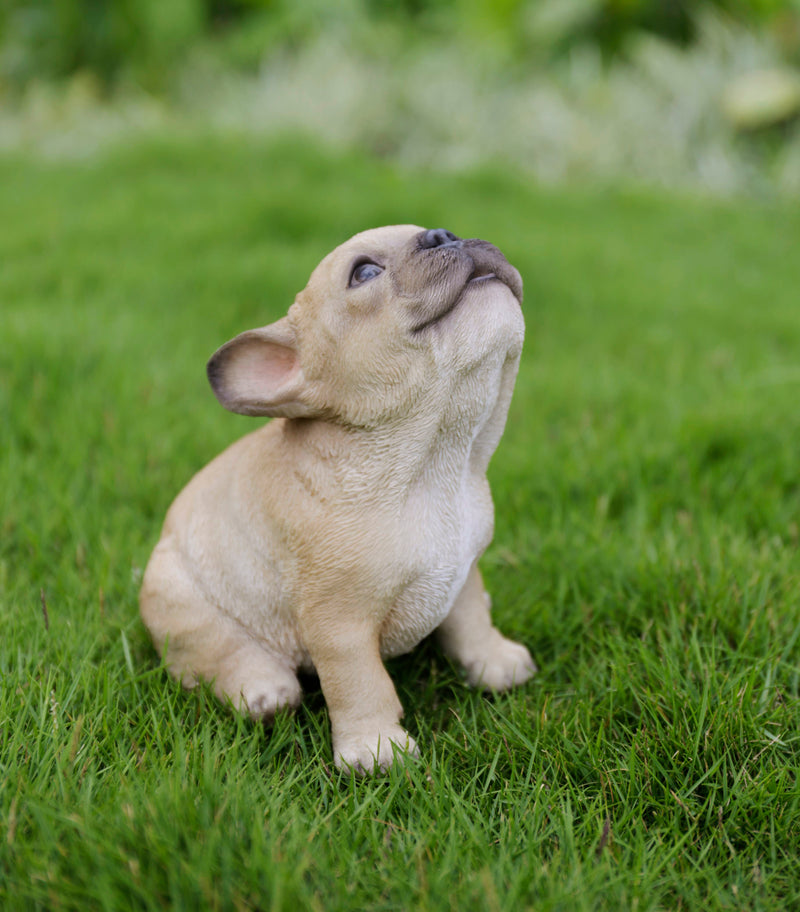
259 373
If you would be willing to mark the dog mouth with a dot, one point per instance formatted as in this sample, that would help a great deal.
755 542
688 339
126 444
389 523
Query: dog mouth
489 265
482 273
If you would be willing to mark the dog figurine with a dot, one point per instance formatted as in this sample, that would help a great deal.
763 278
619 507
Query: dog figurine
349 528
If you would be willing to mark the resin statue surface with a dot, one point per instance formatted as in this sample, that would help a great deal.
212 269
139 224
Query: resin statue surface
349 528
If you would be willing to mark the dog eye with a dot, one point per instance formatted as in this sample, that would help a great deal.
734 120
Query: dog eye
363 272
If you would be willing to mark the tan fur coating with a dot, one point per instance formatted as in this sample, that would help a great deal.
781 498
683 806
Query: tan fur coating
349 528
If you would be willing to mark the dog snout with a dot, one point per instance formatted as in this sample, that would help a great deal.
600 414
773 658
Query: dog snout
439 237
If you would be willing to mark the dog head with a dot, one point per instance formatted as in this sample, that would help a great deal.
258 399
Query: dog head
391 321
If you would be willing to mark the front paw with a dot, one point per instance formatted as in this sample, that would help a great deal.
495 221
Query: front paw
373 752
502 665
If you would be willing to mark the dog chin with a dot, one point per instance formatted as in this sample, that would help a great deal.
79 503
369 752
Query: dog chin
482 285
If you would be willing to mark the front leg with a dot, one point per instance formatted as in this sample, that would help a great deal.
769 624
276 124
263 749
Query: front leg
363 705
467 635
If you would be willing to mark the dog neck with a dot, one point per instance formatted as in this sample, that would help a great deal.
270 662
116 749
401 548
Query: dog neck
431 450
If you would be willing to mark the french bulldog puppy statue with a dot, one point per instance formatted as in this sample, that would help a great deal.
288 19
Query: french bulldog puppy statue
349 528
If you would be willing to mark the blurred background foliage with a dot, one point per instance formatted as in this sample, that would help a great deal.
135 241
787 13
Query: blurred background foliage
147 40
670 92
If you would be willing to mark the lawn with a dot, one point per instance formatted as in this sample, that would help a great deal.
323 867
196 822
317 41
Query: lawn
646 550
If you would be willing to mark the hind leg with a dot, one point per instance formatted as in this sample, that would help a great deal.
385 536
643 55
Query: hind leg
198 642
254 682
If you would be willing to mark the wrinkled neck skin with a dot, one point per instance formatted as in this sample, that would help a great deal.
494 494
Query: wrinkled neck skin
427 447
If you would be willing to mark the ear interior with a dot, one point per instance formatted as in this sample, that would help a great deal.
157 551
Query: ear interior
259 373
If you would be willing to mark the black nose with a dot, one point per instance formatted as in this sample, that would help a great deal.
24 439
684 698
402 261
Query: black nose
439 237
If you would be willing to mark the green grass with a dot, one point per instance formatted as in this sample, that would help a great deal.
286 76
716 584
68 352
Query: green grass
646 550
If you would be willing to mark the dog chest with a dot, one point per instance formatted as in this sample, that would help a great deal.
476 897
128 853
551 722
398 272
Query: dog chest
447 536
